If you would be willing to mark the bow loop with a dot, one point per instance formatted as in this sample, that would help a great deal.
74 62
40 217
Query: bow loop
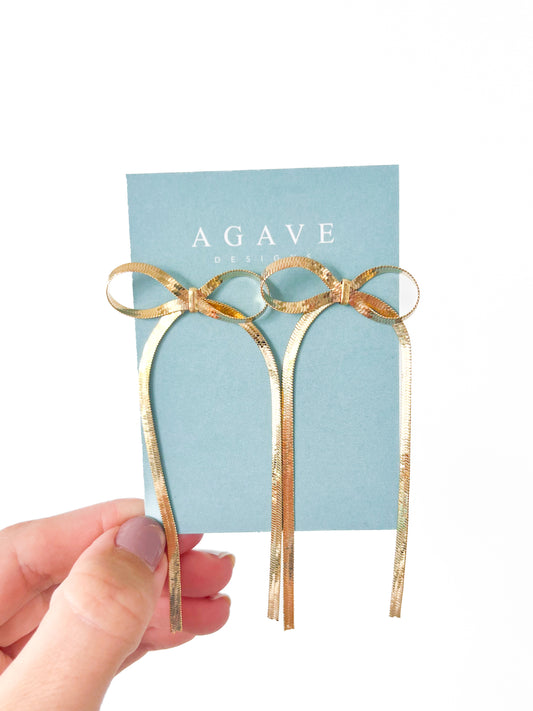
375 308
178 304
192 299
305 305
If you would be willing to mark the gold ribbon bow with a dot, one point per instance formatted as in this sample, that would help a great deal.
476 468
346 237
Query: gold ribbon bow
193 300
340 292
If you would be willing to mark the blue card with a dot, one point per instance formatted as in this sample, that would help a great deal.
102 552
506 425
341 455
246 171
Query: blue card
210 388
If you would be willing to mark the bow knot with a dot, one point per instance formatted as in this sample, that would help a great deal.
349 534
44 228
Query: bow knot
346 287
193 297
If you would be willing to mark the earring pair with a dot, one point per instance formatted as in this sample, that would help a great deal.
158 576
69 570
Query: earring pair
282 497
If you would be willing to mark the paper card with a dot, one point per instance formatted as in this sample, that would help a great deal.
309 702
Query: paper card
210 388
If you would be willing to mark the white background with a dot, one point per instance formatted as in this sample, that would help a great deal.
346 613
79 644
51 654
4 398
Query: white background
91 91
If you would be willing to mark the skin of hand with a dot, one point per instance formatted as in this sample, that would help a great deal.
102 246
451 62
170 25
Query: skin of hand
83 595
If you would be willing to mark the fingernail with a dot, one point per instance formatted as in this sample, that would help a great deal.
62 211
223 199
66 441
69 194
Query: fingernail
144 537
217 596
222 554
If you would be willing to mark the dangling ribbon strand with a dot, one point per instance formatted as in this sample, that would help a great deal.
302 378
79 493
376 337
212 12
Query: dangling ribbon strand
193 300
340 292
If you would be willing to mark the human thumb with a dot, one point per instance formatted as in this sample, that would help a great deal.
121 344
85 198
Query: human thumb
97 617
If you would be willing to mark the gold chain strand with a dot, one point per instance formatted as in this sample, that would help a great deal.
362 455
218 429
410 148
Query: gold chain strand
287 438
405 465
277 492
158 476
196 300
343 292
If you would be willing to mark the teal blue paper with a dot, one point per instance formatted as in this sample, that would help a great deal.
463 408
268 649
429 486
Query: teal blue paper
210 387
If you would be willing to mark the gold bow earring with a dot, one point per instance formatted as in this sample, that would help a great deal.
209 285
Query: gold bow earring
196 300
345 292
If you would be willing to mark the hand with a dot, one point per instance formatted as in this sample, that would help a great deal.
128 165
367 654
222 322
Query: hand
83 594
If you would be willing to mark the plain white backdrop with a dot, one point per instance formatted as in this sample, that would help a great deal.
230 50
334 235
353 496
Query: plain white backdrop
92 91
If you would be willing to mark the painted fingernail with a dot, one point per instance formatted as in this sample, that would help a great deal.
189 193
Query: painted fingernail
221 554
144 537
